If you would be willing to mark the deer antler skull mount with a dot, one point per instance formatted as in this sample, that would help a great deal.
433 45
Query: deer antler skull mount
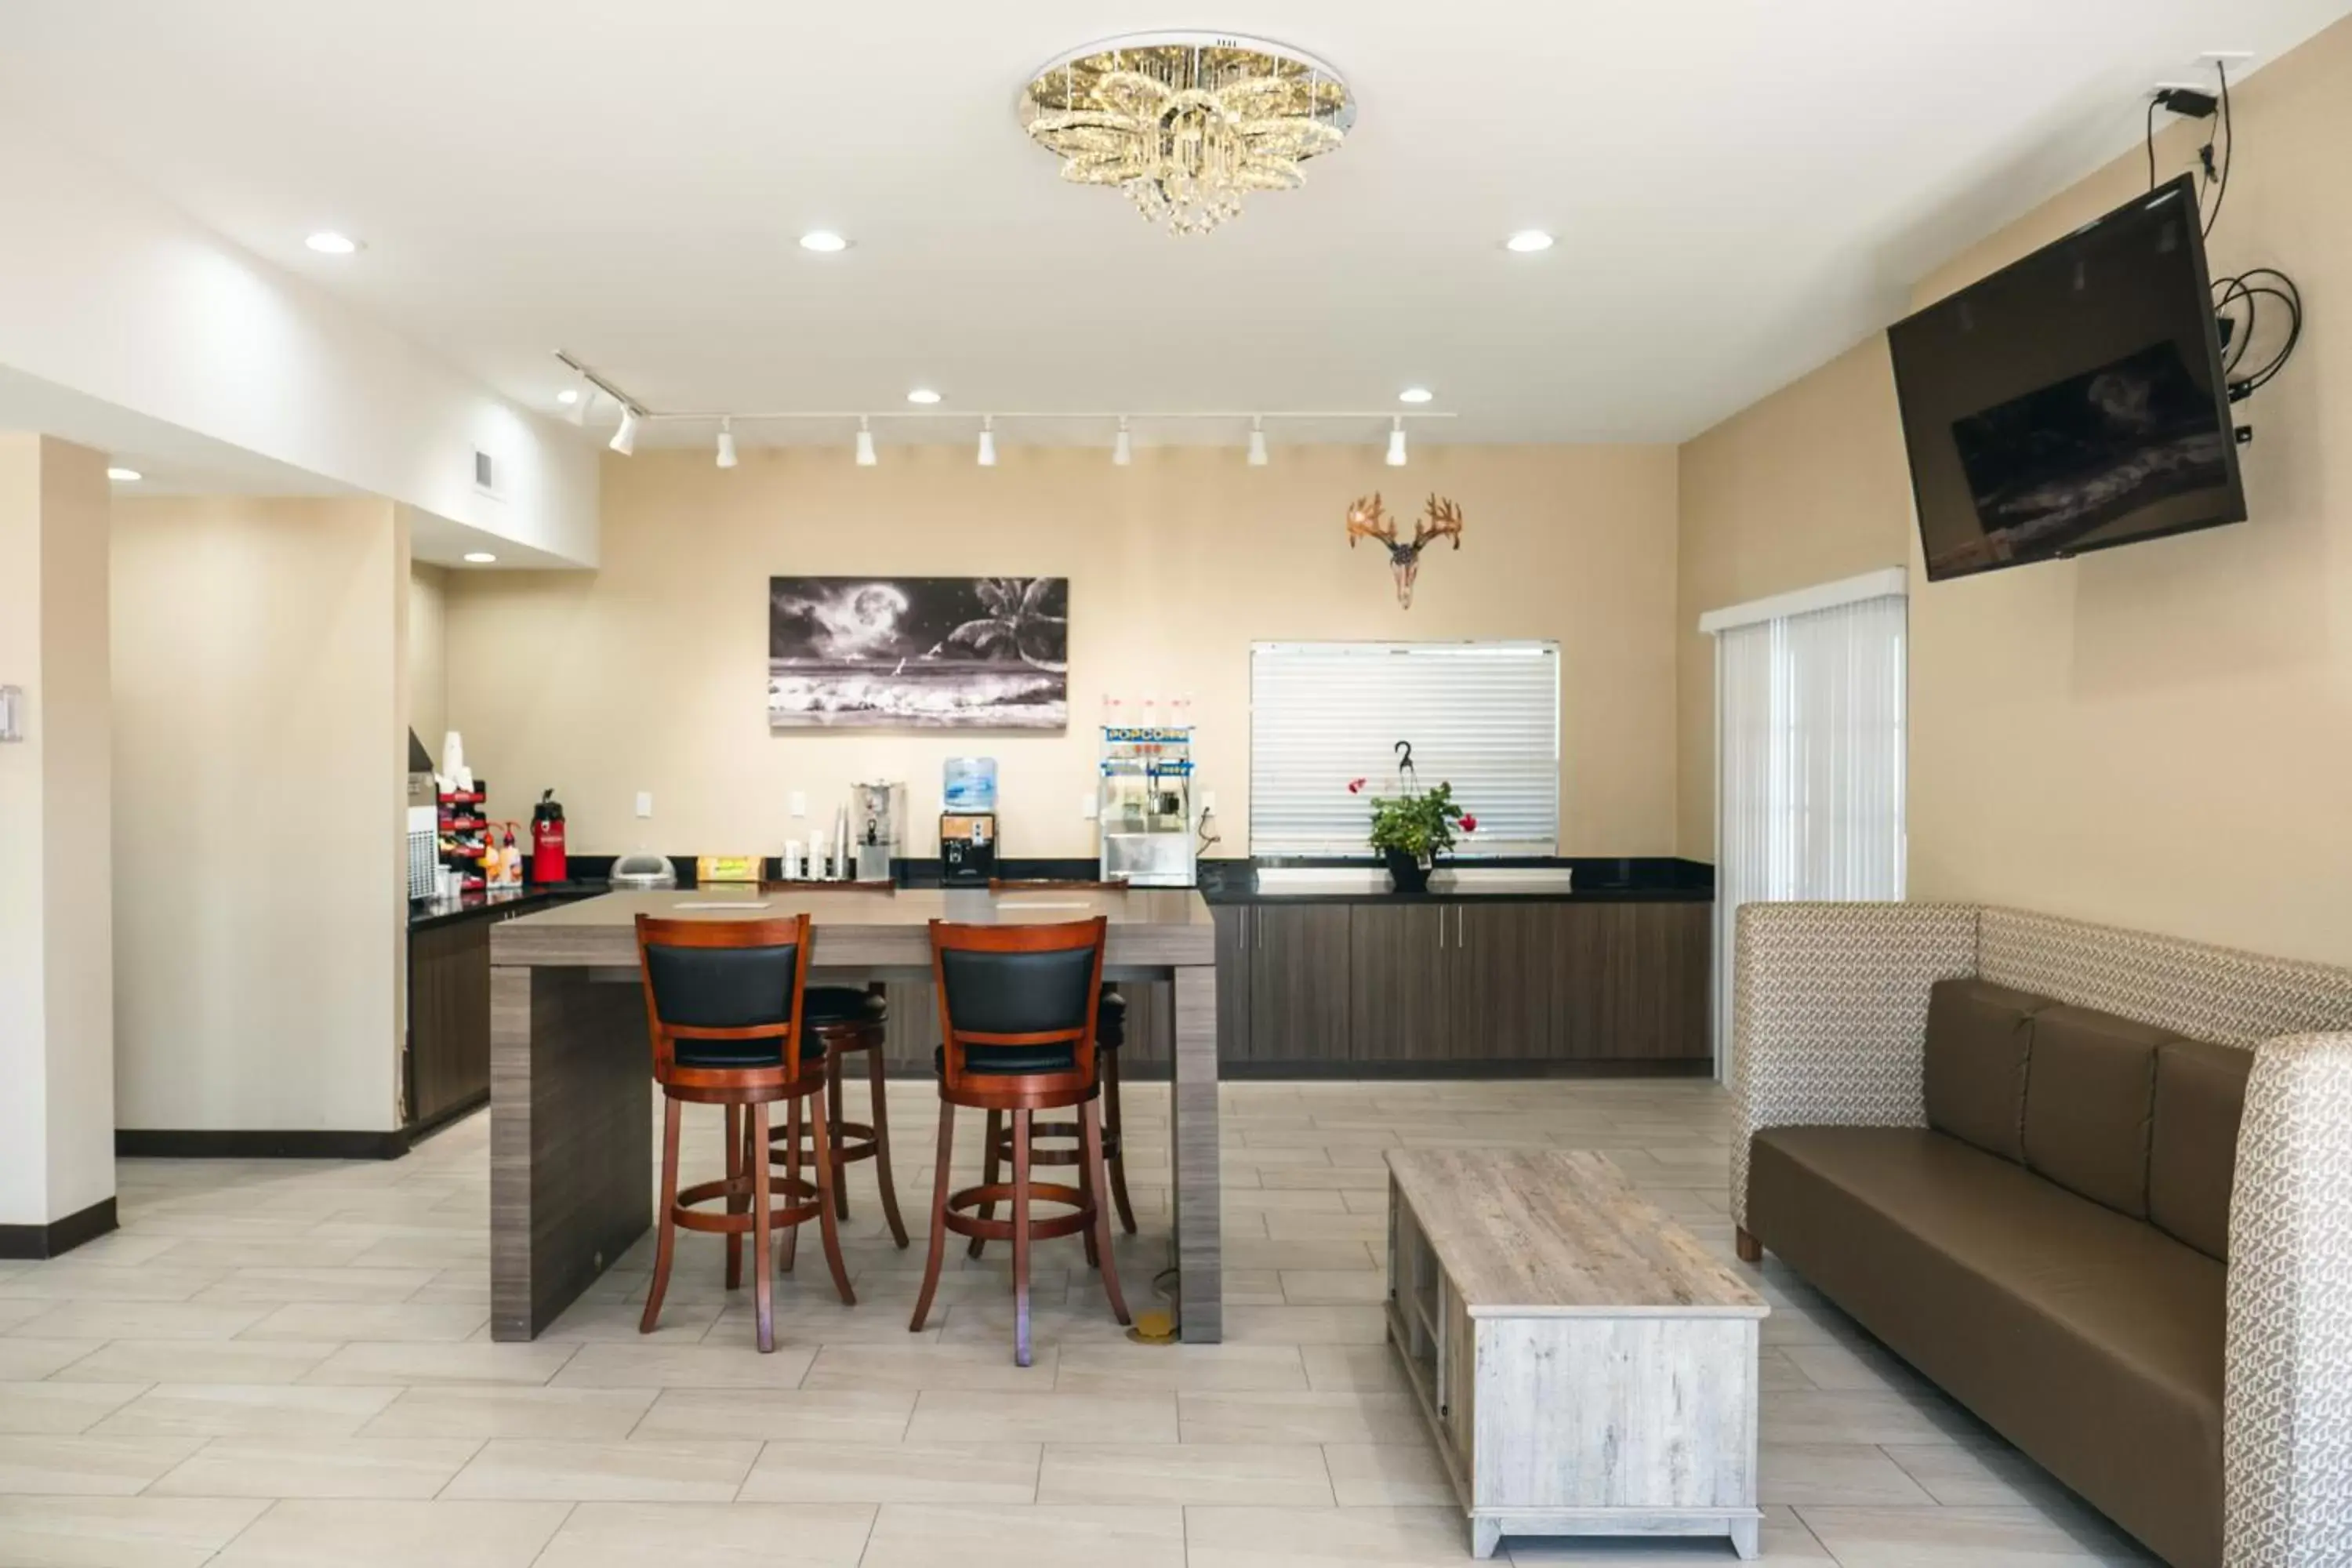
1440 519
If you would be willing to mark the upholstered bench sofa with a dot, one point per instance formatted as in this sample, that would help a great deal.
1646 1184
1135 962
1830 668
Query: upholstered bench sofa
2094 1184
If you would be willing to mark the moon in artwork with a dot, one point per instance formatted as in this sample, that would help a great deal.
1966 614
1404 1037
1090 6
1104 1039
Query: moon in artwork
859 620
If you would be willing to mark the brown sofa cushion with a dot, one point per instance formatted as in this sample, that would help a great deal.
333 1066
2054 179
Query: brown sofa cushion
2090 1094
2093 1341
2201 1093
1978 1038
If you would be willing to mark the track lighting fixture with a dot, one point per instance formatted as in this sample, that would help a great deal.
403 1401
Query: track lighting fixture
584 388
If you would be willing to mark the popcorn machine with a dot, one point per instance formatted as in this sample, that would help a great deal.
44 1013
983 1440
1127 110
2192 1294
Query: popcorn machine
1145 812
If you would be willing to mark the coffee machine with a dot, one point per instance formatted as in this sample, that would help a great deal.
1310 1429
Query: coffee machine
877 812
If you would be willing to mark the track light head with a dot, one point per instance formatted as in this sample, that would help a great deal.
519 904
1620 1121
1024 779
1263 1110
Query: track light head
624 439
727 443
1122 449
988 441
865 443
1396 443
1257 441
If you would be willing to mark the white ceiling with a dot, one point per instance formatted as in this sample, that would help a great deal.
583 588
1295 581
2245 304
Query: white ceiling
1741 190
170 461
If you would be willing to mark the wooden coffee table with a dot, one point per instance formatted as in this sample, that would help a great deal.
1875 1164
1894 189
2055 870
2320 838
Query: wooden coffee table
1586 1366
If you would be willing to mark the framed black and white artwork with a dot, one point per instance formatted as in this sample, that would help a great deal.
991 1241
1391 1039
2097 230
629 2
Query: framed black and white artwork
919 653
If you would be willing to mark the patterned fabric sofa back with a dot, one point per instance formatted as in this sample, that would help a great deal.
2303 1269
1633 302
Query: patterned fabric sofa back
2207 993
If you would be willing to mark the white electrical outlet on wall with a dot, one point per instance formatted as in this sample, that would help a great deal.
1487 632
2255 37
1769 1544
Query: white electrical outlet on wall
12 712
1089 805
645 803
799 803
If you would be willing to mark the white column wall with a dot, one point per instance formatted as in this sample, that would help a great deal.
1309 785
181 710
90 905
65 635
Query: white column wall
259 815
56 1020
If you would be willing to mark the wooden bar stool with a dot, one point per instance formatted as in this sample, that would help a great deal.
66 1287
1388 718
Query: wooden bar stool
724 999
1061 1143
1059 1140
1017 1020
844 1019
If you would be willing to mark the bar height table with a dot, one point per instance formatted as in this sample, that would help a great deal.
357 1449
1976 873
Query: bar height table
572 1082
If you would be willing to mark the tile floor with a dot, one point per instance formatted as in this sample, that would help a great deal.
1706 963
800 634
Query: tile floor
289 1363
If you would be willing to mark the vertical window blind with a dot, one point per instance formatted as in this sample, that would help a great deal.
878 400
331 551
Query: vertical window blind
1809 756
1482 716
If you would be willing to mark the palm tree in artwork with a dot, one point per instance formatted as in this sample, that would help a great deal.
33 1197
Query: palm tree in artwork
1016 623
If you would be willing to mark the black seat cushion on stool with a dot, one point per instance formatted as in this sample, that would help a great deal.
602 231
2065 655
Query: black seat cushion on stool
722 987
767 1053
842 1004
1017 993
1011 1061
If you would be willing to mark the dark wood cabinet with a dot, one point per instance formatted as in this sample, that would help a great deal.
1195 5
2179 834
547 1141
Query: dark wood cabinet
1499 981
1503 986
913 1031
1237 926
1299 1002
1631 981
448 1019
1400 963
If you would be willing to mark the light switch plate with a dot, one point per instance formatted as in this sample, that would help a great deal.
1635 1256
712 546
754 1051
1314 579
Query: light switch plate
12 712
799 803
645 803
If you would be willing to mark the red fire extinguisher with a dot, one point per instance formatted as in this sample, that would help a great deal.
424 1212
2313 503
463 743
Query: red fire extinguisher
546 864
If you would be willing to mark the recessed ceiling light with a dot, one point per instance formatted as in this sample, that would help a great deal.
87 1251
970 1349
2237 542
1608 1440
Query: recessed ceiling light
922 394
125 476
822 240
479 557
1528 241
568 397
327 242
1415 394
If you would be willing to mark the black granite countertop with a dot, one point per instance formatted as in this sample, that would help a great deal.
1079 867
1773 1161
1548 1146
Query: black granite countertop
426 913
1650 880
1654 879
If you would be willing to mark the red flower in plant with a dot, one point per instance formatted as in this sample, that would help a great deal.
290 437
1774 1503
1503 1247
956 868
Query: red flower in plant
1469 823
1355 787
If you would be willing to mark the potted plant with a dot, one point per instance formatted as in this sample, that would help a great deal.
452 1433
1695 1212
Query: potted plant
1412 830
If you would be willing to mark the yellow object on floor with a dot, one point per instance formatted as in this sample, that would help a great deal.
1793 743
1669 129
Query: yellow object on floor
1153 1329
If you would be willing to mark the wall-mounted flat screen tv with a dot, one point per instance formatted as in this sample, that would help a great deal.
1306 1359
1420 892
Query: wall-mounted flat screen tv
2073 400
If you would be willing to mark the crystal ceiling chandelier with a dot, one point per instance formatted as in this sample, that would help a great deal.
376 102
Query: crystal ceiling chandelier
1186 123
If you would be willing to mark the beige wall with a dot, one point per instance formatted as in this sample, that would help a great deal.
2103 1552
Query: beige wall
1808 486
56 1023
259 659
2158 736
650 674
428 709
